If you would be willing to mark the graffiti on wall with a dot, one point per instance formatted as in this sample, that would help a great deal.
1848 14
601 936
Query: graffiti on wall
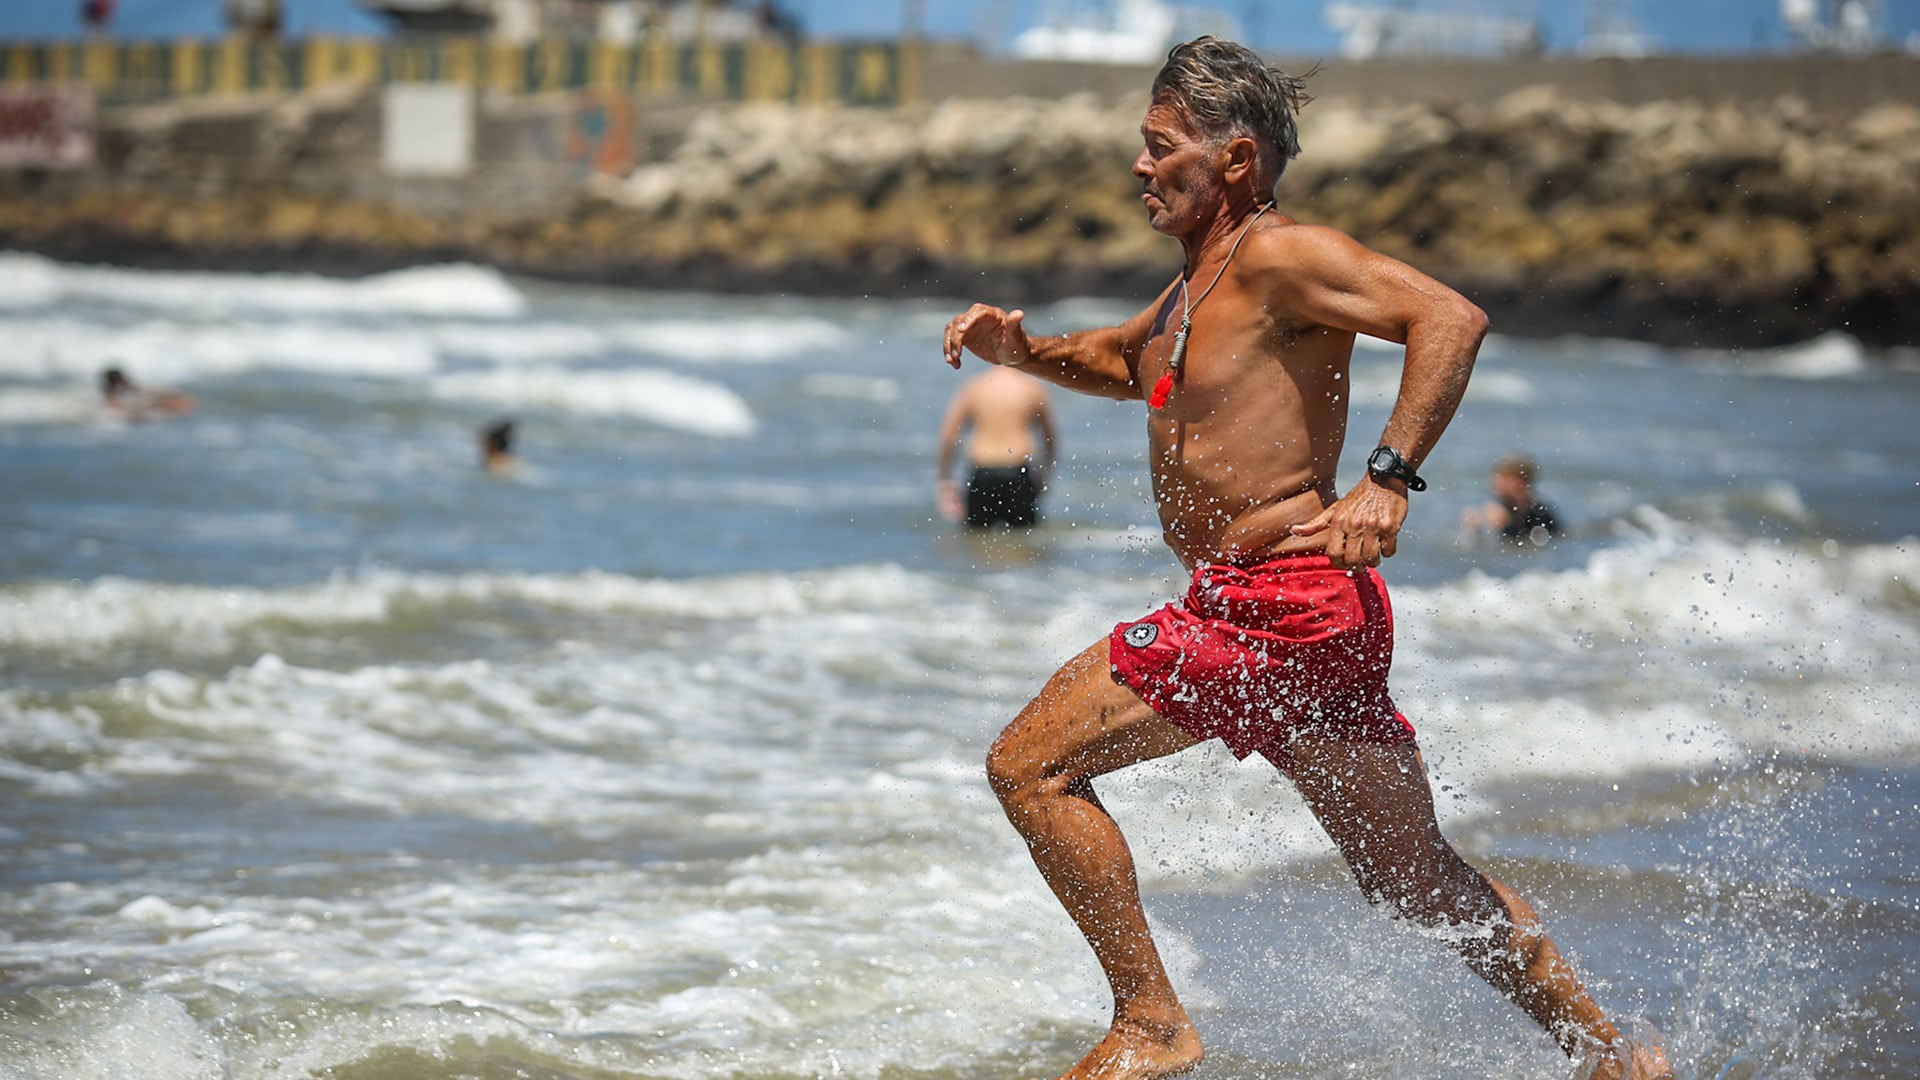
46 126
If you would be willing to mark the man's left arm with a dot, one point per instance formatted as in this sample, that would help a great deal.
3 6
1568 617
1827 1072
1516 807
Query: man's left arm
1333 280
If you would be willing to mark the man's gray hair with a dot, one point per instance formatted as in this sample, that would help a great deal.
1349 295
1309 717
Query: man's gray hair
1227 92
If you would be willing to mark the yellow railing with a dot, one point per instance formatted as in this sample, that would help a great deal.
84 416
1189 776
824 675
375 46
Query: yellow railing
879 73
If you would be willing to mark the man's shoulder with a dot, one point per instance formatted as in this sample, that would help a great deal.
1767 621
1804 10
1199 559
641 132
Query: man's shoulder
1284 264
1290 243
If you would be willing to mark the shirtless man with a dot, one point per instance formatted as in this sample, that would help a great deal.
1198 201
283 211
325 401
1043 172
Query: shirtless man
999 410
1283 642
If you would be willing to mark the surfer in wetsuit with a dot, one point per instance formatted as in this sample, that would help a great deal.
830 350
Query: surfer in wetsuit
1283 642
1007 422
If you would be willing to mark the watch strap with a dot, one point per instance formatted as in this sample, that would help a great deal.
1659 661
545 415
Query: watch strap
1396 468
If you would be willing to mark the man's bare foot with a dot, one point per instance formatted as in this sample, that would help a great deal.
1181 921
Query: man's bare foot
1136 1050
1627 1059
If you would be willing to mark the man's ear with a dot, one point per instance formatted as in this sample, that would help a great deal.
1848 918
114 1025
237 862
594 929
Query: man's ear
1240 157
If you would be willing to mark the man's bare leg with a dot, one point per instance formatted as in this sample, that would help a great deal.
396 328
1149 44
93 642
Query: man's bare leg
1374 801
1084 725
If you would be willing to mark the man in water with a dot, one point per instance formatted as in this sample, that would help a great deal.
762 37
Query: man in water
496 449
1283 642
1516 512
1001 412
122 397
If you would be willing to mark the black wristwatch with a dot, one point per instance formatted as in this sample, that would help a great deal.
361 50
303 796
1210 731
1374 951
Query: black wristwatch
1385 463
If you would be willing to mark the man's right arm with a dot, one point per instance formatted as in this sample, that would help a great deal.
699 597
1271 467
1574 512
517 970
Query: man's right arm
1100 362
946 491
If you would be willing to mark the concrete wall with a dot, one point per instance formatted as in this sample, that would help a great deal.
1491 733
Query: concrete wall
1835 84
887 72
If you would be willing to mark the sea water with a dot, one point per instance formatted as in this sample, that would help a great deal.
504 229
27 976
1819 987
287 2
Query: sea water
325 753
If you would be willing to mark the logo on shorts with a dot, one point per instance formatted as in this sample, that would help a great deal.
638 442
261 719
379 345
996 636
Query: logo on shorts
1141 634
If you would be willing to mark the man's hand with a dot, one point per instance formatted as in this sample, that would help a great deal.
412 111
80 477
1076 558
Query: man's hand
1362 528
994 336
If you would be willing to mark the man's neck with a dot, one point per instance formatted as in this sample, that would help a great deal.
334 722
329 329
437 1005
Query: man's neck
1236 209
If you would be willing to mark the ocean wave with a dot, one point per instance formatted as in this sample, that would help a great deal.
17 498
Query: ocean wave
1377 383
175 349
1670 653
521 342
30 281
1674 588
662 397
1832 355
112 612
170 351
735 339
33 405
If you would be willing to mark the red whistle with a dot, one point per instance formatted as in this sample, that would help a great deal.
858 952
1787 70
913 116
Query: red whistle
1158 399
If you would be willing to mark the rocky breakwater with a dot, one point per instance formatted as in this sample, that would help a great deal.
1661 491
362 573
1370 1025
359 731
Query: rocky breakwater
1675 221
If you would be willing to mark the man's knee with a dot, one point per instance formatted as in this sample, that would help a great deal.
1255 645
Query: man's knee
1003 769
1021 772
1011 768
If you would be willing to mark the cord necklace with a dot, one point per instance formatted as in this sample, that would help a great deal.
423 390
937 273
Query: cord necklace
1177 359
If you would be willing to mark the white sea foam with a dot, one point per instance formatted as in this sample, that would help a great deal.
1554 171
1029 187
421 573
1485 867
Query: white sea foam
110 612
1378 385
1832 355
750 339
852 868
29 281
661 397
166 350
520 342
786 850
1670 653
105 1033
34 405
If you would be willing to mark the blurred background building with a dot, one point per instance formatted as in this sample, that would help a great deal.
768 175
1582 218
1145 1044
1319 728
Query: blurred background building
616 21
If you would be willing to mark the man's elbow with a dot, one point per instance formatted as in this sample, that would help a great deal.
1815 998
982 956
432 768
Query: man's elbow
1471 321
1454 320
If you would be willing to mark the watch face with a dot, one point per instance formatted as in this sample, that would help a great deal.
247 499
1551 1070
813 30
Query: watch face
1380 461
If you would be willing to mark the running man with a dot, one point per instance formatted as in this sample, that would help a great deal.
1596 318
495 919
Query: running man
1283 642
1008 424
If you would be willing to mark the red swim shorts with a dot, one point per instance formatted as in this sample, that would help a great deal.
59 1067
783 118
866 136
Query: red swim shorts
1259 654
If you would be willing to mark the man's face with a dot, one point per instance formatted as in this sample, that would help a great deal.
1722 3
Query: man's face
1510 488
1179 173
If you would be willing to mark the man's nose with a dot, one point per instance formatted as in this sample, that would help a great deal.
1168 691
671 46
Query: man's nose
1142 167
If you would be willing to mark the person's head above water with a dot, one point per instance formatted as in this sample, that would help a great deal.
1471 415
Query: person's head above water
114 381
1512 481
497 438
